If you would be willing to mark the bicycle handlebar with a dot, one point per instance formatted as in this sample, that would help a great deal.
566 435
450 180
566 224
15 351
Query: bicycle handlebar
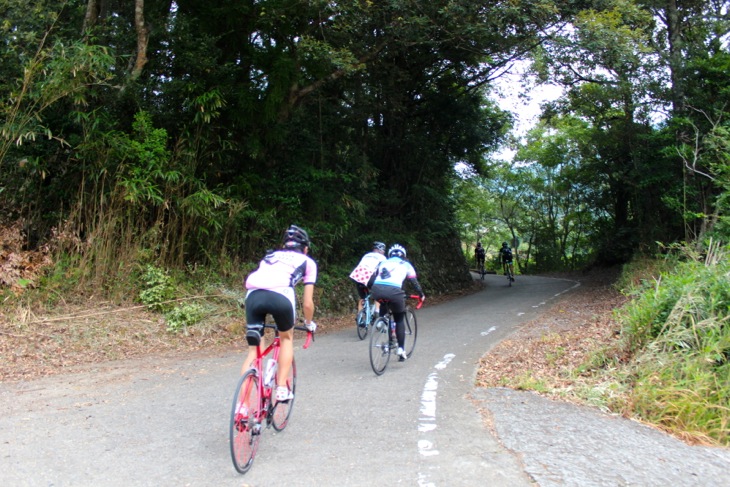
420 301
310 334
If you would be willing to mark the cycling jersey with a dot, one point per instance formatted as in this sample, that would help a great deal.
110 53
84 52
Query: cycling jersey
281 270
365 268
506 254
393 271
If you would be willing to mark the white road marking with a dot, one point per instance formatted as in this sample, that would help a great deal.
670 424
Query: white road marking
485 333
427 419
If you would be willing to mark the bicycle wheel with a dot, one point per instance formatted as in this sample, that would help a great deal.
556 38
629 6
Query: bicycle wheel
245 429
379 346
362 324
282 410
411 331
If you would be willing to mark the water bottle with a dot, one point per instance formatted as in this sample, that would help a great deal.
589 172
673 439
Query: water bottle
392 329
270 372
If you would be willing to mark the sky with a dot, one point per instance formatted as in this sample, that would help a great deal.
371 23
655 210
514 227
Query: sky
523 101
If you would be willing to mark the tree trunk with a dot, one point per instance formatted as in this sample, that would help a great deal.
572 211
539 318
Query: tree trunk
92 13
143 37
674 34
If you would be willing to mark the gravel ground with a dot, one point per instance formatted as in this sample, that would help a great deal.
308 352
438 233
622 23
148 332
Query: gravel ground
564 444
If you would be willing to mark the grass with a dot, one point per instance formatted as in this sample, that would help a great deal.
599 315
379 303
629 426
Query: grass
675 344
661 356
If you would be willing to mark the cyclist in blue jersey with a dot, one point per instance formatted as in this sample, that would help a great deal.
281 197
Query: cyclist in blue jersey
387 284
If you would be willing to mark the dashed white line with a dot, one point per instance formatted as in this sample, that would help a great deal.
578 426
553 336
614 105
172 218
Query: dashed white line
487 332
427 419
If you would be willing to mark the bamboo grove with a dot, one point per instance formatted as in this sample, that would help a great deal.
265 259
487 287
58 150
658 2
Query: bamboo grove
185 131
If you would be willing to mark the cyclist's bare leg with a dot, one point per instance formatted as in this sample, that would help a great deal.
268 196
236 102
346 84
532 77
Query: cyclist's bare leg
251 356
286 354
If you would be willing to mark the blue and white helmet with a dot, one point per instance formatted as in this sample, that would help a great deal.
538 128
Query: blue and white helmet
397 251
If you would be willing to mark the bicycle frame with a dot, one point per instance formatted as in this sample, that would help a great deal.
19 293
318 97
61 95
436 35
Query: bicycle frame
263 411
368 309
508 272
273 348
381 340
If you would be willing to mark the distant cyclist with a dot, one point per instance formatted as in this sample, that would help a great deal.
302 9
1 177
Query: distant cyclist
364 270
270 290
479 255
505 256
388 285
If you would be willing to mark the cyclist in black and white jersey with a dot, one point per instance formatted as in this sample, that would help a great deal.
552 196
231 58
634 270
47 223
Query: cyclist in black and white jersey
505 257
388 284
479 254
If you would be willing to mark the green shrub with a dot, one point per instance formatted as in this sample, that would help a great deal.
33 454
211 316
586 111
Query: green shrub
677 333
156 288
182 316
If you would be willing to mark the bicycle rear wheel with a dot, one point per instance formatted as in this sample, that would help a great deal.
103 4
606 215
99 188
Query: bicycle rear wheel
245 429
362 324
411 327
380 346
282 410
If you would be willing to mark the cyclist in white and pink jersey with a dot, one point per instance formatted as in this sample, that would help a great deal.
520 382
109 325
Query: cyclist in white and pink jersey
388 285
362 273
270 290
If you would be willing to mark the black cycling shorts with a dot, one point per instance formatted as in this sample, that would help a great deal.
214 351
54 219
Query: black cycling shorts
395 297
362 290
262 302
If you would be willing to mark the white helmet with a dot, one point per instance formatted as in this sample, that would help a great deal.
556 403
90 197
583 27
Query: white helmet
397 250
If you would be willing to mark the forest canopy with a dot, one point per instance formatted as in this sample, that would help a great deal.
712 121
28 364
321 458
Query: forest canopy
190 132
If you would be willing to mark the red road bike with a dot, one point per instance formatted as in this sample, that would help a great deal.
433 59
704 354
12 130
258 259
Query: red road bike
254 407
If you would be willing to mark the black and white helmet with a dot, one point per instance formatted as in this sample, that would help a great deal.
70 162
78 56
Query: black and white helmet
295 237
397 251
379 246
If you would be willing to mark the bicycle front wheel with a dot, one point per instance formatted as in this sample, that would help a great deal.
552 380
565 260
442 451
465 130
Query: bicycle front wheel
244 428
380 346
362 324
411 331
282 409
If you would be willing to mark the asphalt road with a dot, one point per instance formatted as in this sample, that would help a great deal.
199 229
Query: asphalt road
134 424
